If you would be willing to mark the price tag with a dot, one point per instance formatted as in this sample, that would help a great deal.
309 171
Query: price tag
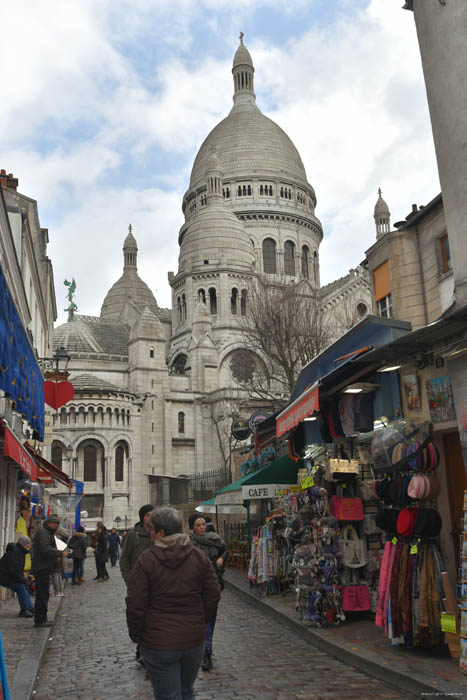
448 623
294 489
394 540
414 549
307 482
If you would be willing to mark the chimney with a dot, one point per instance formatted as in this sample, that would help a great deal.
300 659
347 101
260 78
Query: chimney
414 208
9 181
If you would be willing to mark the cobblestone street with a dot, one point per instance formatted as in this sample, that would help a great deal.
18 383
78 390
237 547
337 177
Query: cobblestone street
90 656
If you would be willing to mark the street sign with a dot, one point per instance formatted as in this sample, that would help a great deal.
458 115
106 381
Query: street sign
255 418
240 429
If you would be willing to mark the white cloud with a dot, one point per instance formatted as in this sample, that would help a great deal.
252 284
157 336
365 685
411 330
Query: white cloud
80 119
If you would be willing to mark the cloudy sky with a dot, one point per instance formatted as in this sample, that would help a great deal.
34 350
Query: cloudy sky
105 104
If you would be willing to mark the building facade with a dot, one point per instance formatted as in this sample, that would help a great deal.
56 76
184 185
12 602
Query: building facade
156 389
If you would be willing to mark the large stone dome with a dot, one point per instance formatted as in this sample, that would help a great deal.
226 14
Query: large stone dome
250 143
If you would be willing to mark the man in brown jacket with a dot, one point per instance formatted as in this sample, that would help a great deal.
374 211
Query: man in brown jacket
172 593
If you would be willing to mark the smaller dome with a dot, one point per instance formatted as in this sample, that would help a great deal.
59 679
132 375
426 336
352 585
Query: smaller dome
242 55
381 208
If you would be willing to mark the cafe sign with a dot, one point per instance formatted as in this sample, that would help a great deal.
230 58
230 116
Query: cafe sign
257 491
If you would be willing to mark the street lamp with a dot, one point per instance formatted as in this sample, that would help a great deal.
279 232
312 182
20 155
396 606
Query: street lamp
55 367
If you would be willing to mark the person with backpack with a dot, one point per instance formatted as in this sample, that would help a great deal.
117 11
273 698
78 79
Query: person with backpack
12 573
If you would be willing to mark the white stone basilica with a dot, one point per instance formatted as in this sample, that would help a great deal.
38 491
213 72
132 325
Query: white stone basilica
148 381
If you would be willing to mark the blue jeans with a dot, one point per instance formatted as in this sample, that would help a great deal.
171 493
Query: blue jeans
173 673
23 595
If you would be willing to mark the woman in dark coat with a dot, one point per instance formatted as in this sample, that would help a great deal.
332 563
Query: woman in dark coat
77 544
102 552
216 551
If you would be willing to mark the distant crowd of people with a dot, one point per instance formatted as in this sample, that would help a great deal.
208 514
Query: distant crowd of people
174 582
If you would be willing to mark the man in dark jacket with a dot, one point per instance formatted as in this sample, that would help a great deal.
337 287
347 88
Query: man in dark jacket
12 573
172 593
44 558
137 541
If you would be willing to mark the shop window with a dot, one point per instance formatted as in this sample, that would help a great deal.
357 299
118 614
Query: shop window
119 459
90 463
269 256
233 301
445 254
181 422
289 258
212 301
243 302
305 262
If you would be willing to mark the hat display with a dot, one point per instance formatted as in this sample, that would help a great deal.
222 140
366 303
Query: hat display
428 523
386 519
406 521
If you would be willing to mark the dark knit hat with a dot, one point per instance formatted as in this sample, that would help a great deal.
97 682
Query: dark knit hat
193 518
52 519
143 510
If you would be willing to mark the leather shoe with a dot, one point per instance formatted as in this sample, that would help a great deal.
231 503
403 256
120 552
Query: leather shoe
26 613
207 663
43 624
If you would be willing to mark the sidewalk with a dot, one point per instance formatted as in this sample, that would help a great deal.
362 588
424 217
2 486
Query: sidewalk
358 642
24 646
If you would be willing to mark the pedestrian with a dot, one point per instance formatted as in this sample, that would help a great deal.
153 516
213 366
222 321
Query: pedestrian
172 593
102 552
124 534
81 566
212 545
12 573
44 557
23 527
77 544
114 543
56 578
138 539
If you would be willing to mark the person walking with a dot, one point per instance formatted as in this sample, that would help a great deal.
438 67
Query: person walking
44 557
12 573
172 592
114 543
137 540
212 545
102 552
77 544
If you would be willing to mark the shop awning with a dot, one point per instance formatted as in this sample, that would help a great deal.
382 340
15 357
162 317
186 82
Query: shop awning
281 472
13 449
51 471
305 405
210 507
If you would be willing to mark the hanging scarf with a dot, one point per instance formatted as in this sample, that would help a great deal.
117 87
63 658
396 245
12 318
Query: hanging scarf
382 584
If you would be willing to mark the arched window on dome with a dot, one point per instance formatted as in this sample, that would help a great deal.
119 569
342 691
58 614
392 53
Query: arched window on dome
239 191
269 256
90 463
243 302
244 190
212 301
282 191
179 310
151 352
261 189
290 194
202 295
233 301
270 190
183 308
249 189
289 258
305 262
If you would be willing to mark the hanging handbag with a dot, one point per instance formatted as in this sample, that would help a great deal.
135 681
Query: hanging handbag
342 466
355 596
353 549
346 508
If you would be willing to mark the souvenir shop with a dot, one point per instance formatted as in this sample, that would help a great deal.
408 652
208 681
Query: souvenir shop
359 534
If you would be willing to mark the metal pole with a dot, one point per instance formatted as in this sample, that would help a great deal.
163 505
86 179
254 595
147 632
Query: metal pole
217 519
248 521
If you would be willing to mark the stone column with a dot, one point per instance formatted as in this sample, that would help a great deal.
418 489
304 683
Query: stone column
108 507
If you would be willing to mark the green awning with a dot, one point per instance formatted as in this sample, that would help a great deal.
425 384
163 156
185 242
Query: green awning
282 471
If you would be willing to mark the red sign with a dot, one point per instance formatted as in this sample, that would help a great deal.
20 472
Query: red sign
58 394
14 449
306 404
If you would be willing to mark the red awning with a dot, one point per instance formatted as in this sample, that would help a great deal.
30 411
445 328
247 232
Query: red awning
305 405
50 469
14 449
